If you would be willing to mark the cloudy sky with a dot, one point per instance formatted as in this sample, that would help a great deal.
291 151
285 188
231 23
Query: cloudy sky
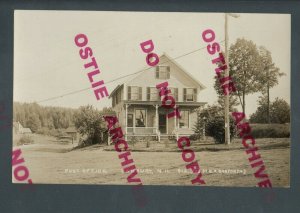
47 63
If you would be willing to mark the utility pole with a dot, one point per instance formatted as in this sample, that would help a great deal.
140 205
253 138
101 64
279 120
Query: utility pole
268 94
227 119
227 124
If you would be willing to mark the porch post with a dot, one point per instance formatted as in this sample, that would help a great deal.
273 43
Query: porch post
175 121
156 121
175 125
126 112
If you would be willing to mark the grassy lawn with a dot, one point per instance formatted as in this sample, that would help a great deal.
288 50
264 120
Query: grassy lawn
51 161
207 145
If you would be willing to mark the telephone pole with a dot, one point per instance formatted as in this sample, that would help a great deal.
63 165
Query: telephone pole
227 124
227 119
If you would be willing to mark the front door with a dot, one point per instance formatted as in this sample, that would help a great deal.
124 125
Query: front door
162 123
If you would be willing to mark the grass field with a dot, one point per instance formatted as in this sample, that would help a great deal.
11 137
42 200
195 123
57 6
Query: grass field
51 161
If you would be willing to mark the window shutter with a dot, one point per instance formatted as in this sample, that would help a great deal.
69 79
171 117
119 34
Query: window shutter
176 94
184 94
168 72
129 93
157 72
148 93
140 93
195 95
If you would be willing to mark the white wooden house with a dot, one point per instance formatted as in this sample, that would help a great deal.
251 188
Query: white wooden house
138 105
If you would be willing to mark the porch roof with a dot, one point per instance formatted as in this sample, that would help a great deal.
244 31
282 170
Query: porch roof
159 103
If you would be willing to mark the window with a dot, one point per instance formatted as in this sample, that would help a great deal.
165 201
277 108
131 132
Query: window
184 119
140 117
162 72
189 94
152 94
174 92
130 120
135 93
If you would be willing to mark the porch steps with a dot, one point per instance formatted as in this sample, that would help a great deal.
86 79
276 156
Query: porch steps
166 138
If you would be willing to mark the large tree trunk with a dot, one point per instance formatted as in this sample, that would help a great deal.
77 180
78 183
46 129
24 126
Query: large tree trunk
268 110
244 102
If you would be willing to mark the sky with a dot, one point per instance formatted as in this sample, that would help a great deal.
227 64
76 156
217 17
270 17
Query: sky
47 62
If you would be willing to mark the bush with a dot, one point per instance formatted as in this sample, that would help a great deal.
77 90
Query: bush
89 122
43 131
215 128
26 139
270 130
133 140
195 137
279 112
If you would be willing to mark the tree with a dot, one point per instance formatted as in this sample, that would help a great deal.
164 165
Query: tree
260 116
35 116
213 116
89 122
245 68
233 102
33 123
269 75
279 111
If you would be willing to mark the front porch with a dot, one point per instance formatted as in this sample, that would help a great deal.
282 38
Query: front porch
149 118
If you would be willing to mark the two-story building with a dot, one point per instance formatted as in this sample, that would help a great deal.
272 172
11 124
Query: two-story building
138 105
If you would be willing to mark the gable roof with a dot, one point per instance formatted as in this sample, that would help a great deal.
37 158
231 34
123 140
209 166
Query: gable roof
183 70
169 59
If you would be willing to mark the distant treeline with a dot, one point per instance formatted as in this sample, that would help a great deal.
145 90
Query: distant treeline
35 117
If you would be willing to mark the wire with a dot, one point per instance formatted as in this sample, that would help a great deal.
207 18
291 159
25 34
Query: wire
125 76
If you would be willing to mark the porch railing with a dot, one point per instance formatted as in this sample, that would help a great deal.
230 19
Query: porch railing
141 130
152 131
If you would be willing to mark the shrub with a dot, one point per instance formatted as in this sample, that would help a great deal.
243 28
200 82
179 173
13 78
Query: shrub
89 122
43 131
133 140
26 139
195 137
211 119
279 112
215 128
270 130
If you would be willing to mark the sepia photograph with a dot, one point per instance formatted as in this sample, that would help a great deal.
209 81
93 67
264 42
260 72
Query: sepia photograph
151 98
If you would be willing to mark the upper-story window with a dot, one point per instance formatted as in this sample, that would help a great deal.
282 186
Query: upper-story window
134 93
190 94
152 94
162 72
